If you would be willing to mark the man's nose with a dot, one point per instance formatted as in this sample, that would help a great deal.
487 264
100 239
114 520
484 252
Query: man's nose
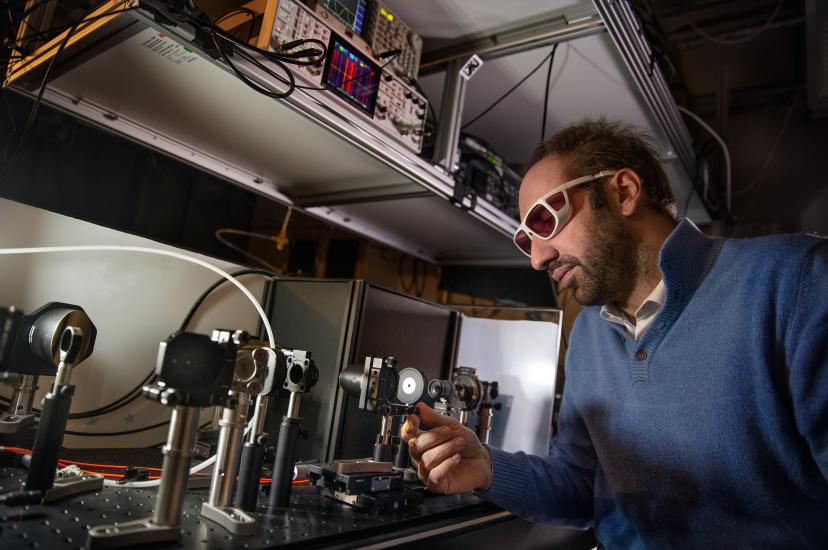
543 253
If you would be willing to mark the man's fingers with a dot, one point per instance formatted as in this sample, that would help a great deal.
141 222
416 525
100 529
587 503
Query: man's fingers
437 476
436 455
410 428
433 418
427 440
422 472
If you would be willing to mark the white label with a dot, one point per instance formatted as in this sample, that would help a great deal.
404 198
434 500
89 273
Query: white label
168 48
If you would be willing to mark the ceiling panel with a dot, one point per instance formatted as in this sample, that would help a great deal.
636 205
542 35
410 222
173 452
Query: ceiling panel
448 19
589 79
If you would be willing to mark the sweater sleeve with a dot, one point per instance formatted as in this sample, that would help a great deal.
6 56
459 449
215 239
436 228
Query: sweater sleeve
557 489
807 355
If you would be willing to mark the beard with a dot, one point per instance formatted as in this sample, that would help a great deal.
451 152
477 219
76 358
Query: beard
607 272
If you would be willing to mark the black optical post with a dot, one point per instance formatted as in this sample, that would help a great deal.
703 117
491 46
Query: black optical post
402 458
20 405
255 368
383 390
376 484
250 469
302 375
29 348
10 321
52 340
194 371
486 410
252 454
54 415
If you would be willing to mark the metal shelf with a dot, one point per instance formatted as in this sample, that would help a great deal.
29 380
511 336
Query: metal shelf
308 150
142 80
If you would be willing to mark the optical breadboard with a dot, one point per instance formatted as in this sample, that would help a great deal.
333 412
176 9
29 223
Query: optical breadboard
312 521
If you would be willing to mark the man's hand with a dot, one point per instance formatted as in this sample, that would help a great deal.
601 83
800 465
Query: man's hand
449 458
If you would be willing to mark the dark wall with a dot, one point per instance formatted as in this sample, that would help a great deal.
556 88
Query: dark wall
68 167
791 187
517 286
752 91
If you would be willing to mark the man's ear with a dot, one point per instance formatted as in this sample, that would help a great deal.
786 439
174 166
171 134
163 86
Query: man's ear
627 191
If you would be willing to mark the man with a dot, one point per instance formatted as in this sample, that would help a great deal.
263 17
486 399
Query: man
695 411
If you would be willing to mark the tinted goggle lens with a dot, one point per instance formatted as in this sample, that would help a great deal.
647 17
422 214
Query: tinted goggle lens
543 222
524 242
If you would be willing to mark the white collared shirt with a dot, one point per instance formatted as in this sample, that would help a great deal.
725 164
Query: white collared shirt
644 315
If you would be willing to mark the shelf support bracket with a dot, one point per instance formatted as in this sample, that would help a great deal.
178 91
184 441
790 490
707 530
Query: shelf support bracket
454 97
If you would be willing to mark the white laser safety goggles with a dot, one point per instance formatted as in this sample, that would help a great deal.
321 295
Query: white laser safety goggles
549 214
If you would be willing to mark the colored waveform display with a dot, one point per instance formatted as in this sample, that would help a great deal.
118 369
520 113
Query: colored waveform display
352 76
350 12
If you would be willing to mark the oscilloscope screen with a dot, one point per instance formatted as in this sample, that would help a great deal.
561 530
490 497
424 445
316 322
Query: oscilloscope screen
350 12
352 75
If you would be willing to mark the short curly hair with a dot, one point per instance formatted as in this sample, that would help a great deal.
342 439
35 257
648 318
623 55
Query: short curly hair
593 145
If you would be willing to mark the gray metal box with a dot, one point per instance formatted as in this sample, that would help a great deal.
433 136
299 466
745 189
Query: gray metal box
340 322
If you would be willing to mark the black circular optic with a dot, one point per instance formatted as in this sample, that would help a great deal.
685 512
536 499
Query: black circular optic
296 373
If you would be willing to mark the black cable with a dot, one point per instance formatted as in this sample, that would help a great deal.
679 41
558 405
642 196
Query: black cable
237 48
60 29
546 91
214 286
113 434
10 34
246 11
33 113
512 89
285 56
127 432
136 392
290 82
222 40
119 403
301 57
12 26
133 394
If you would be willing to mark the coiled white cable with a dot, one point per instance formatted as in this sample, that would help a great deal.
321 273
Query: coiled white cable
118 248
140 249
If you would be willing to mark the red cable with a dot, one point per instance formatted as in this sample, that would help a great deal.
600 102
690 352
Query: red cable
62 462
106 466
15 450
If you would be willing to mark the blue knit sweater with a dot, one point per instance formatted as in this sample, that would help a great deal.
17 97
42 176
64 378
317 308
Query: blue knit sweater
712 430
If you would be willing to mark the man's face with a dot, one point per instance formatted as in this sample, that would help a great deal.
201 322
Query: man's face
594 253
